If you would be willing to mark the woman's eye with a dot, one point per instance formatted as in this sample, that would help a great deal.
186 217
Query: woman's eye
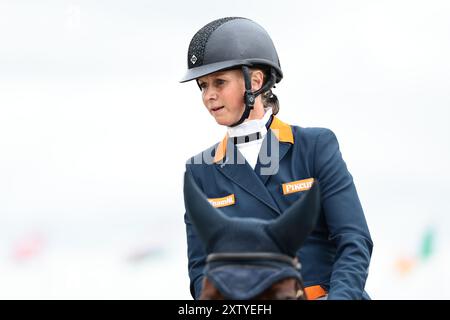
220 82
202 86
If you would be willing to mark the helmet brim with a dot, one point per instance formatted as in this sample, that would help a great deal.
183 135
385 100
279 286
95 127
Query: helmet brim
195 73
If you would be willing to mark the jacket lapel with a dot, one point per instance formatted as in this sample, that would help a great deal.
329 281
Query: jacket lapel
236 168
232 164
276 144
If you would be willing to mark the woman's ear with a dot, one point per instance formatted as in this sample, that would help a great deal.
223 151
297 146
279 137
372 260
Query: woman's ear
257 79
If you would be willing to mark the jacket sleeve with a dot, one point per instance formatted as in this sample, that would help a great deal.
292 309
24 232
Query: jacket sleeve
345 219
196 257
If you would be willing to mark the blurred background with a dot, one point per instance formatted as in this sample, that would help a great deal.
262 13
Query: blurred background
95 130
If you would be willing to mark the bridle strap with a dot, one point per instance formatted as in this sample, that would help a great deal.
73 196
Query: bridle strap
252 256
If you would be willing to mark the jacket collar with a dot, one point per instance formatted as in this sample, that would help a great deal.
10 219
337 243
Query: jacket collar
281 130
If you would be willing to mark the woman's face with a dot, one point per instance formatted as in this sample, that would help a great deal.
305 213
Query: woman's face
223 95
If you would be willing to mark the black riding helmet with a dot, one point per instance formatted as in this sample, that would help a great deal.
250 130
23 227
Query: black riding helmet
230 43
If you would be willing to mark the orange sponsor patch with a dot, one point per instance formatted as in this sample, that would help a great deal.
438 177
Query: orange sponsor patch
222 202
297 186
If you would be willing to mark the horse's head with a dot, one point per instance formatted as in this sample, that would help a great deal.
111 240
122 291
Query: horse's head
251 258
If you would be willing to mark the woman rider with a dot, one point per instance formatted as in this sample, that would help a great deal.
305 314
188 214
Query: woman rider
263 164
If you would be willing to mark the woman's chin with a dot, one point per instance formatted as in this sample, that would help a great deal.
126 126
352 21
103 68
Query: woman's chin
223 121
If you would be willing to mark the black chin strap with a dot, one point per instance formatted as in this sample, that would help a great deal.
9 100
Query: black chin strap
249 96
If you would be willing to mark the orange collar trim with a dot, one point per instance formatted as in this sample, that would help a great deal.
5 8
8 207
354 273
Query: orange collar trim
221 149
281 130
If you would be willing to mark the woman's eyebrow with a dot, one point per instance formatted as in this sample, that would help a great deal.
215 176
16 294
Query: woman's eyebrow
219 74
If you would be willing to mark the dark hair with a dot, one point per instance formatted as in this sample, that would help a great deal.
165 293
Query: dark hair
270 100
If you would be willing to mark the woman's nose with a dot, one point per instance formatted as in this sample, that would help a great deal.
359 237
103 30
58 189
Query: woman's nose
210 94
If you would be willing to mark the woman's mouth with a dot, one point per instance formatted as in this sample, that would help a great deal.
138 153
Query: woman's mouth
216 109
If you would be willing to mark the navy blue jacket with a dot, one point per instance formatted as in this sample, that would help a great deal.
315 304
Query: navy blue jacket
336 255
